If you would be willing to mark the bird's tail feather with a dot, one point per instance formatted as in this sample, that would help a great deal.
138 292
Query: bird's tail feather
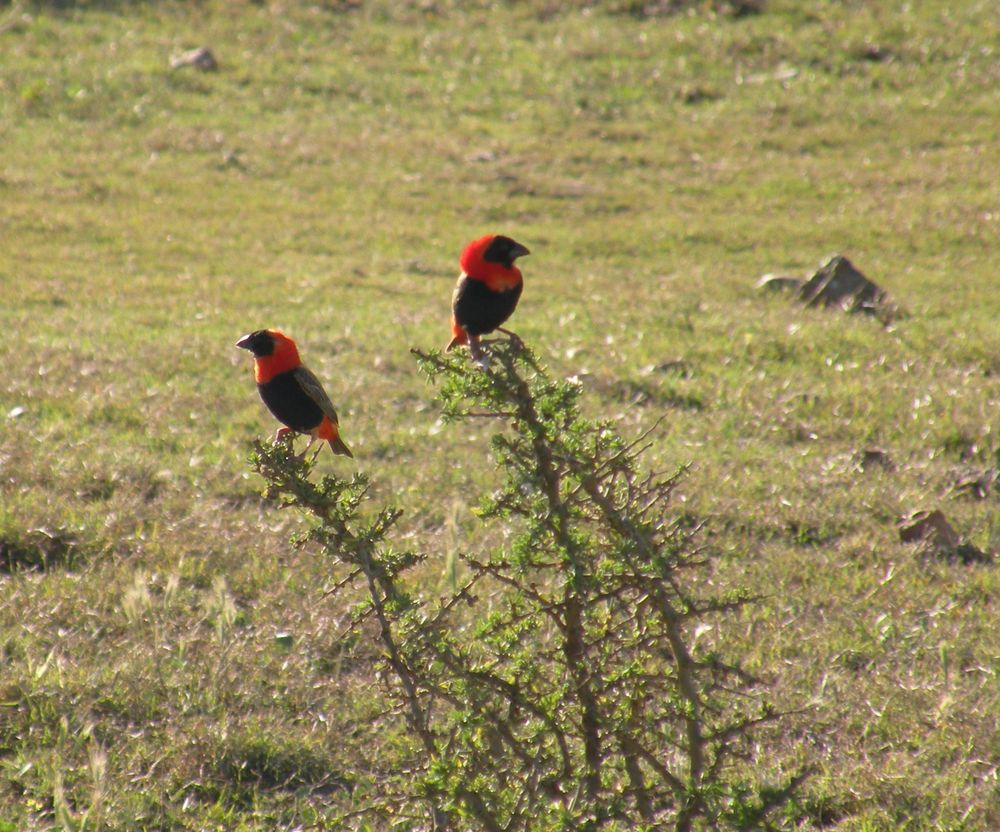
459 336
338 447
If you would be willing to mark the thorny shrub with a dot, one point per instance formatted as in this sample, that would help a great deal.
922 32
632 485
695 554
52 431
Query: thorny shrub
560 686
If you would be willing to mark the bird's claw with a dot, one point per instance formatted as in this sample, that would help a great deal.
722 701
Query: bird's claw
475 348
300 457
513 337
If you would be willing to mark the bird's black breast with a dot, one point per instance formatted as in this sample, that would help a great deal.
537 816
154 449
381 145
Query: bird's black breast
480 310
289 403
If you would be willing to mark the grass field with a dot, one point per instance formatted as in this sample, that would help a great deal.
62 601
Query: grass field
168 661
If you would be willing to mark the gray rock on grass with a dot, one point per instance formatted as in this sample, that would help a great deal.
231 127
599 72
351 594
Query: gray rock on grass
838 283
200 58
932 530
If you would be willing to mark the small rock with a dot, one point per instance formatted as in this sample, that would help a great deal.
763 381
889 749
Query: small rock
677 366
839 283
200 58
978 484
231 159
871 458
875 52
697 94
967 553
933 530
930 527
780 283
783 73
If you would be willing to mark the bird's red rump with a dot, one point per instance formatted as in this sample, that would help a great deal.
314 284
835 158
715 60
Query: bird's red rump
327 430
458 332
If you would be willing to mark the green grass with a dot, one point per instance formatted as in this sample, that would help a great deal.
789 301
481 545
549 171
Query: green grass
324 180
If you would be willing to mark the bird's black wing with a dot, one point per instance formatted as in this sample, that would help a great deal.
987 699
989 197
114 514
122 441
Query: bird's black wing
314 390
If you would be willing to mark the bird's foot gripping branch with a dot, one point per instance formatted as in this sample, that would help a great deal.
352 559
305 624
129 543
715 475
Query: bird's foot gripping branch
561 684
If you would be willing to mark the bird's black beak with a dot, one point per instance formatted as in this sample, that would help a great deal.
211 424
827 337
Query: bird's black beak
517 250
244 342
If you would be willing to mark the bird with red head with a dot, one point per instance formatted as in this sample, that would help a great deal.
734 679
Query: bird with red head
291 390
487 291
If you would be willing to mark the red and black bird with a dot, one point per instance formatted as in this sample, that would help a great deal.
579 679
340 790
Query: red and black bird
291 391
488 290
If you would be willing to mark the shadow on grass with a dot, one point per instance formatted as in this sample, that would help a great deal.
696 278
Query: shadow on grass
250 762
37 549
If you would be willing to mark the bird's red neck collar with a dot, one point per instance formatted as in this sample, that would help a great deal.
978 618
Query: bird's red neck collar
496 276
284 358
